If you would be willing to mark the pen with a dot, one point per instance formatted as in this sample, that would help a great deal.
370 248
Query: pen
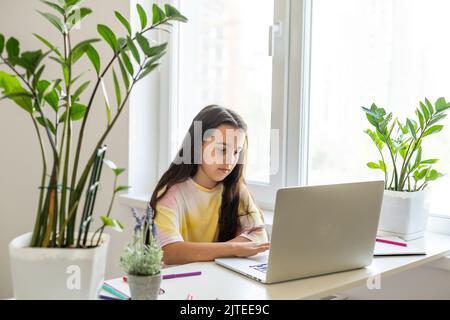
181 275
103 297
392 242
175 275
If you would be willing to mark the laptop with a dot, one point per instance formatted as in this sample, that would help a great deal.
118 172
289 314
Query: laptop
317 230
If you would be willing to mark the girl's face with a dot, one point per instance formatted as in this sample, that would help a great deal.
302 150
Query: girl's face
222 148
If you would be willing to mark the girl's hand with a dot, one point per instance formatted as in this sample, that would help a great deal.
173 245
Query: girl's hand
249 249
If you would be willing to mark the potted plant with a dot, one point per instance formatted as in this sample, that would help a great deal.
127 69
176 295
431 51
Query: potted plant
142 259
407 173
61 258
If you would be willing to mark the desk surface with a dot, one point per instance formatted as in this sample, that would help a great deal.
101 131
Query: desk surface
217 282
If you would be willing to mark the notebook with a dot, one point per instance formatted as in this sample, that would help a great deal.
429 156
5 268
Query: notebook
385 249
117 288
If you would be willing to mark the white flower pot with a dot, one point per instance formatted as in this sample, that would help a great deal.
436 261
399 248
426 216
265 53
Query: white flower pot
56 274
404 214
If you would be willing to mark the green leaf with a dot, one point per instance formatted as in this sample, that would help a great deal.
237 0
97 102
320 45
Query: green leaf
11 85
80 49
425 111
94 57
69 3
433 175
158 14
118 171
46 90
117 89
383 166
421 119
2 43
80 90
430 161
13 48
55 21
122 42
124 72
142 16
147 71
77 15
433 130
429 106
112 223
127 62
124 21
418 157
174 14
403 149
143 43
156 58
15 95
411 129
441 105
372 117
77 112
79 76
423 174
437 118
51 126
373 165
38 75
30 60
48 44
54 6
122 188
108 113
157 50
109 36
134 50
66 72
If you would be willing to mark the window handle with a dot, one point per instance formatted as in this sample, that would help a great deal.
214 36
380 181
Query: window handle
275 31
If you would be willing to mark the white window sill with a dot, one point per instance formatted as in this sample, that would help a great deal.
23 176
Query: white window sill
436 223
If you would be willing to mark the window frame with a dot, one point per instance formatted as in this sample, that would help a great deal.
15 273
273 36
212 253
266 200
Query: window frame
290 106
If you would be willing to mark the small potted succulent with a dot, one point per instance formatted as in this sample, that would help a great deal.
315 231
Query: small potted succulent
142 259
407 172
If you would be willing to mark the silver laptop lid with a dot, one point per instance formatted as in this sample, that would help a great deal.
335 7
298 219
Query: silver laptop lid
324 229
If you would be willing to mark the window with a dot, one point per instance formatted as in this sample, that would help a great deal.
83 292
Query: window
330 58
391 52
224 59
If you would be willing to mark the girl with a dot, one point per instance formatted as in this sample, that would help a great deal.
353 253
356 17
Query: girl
203 209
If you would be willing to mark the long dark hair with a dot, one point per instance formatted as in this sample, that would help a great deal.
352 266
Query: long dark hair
210 118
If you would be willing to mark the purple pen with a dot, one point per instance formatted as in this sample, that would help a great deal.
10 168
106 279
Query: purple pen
181 275
103 297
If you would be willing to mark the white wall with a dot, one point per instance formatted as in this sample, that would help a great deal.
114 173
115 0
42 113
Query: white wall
20 162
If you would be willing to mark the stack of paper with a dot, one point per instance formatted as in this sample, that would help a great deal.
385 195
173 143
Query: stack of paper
386 249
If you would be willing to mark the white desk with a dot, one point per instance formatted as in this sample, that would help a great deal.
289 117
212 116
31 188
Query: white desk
218 282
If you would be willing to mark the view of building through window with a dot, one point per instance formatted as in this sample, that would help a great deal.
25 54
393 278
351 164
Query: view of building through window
390 52
224 60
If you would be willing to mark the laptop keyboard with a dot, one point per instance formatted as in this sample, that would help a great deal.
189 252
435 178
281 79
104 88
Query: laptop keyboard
260 267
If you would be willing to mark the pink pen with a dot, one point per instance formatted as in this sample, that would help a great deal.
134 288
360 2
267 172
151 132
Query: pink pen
392 242
181 275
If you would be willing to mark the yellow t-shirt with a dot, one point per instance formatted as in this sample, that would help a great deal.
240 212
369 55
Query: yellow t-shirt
190 212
